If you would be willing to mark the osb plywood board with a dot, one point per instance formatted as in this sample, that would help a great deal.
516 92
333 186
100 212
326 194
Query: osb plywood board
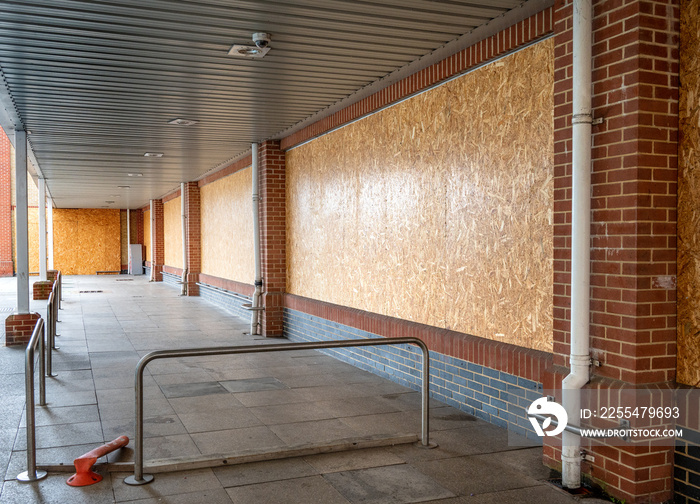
147 233
437 210
86 241
227 227
33 238
172 225
689 198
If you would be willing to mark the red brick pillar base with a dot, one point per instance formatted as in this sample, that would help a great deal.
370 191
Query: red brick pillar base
19 328
51 275
6 268
273 236
42 290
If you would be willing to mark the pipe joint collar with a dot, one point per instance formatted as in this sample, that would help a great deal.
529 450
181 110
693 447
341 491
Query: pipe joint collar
586 118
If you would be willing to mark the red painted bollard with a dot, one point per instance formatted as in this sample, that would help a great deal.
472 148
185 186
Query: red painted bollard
84 475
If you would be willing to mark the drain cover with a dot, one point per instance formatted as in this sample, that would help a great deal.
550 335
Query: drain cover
125 279
90 292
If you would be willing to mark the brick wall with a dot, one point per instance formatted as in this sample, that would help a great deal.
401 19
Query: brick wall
273 239
633 243
6 263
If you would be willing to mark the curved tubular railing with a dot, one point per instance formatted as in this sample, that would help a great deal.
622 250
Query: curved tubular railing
52 308
59 282
139 478
37 340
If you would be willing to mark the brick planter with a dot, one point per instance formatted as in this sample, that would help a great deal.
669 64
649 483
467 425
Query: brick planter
19 328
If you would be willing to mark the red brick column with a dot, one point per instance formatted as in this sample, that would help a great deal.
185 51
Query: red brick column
158 239
273 231
633 228
6 263
194 237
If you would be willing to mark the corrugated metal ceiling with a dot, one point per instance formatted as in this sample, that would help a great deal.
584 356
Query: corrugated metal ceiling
95 82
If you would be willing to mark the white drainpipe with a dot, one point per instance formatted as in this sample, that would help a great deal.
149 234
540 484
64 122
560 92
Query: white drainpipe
255 314
580 241
183 291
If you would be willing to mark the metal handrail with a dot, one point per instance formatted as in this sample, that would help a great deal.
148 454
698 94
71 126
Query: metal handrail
139 478
37 339
51 319
59 282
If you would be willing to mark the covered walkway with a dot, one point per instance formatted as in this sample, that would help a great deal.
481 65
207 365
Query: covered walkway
235 405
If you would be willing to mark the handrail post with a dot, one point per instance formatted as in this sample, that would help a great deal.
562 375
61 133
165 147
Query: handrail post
32 474
51 332
59 281
56 307
425 396
139 478
42 367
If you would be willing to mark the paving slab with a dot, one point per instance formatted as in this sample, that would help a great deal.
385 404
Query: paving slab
310 490
263 472
349 461
387 485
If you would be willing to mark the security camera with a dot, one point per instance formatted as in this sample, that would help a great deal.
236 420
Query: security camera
262 40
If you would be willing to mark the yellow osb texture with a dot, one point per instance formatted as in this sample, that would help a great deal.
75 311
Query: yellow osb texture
147 234
437 210
33 237
86 241
689 198
227 227
172 225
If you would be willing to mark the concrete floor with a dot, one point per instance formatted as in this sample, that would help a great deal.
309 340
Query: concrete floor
231 405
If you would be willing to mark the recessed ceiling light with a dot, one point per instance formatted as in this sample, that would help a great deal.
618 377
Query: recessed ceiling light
183 122
248 51
135 174
124 186
109 202
153 154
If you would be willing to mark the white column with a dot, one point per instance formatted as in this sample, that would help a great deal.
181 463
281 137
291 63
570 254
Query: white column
42 230
49 235
22 214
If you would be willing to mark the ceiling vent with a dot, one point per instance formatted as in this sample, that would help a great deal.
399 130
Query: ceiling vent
183 122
